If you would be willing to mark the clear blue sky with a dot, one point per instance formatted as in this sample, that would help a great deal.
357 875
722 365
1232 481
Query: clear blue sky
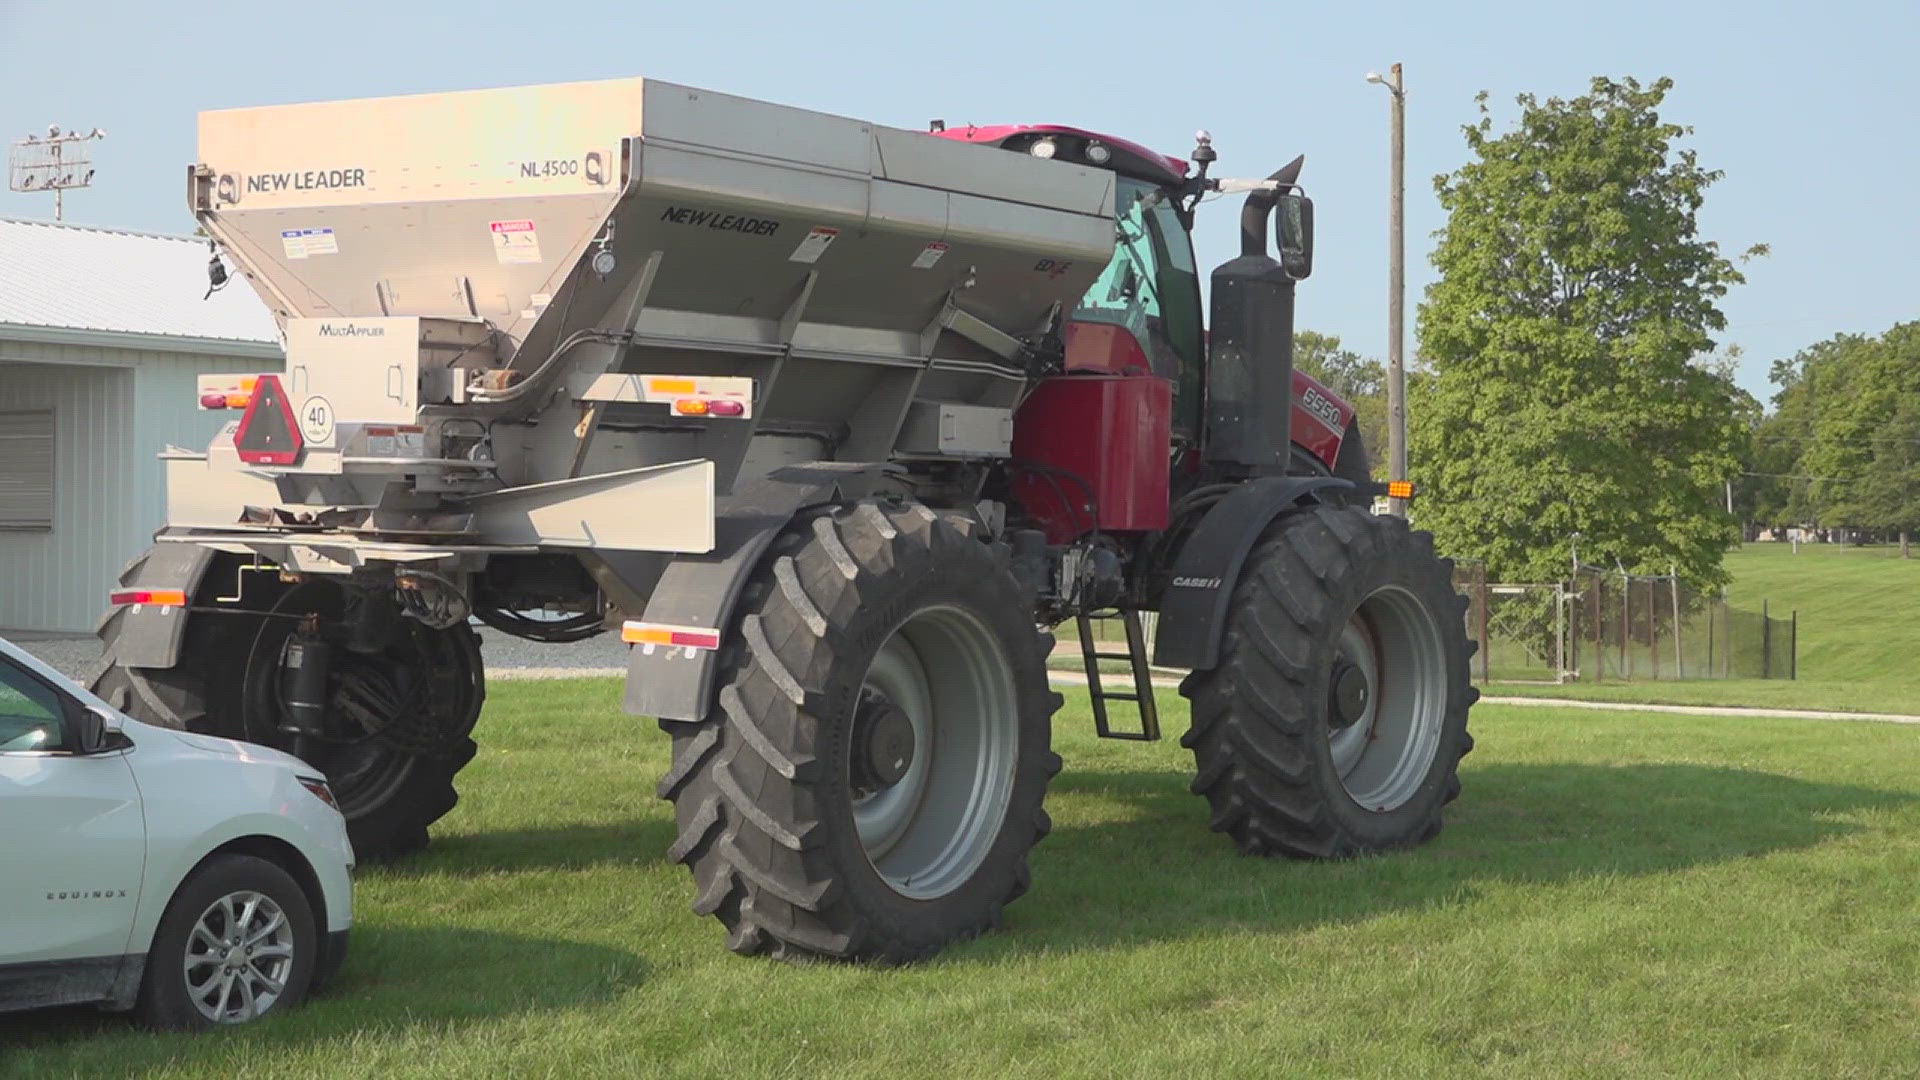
1808 108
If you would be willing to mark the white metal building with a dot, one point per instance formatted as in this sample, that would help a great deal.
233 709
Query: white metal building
101 335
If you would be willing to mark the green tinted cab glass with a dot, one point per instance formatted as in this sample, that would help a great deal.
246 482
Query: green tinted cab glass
1152 288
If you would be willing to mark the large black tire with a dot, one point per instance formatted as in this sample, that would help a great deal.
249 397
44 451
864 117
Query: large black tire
277 947
1335 721
392 783
772 791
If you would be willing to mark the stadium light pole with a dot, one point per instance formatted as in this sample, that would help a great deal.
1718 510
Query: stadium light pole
53 162
1396 288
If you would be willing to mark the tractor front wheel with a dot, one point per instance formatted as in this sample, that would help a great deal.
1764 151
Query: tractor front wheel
869 778
1335 721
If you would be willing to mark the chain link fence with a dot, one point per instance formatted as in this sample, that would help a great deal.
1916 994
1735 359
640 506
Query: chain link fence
1605 626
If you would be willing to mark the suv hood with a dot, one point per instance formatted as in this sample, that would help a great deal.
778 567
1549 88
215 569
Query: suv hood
240 751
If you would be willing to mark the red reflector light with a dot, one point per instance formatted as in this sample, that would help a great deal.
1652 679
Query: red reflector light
163 597
636 633
213 401
725 408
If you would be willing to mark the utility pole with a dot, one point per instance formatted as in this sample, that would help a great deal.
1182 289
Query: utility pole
1396 288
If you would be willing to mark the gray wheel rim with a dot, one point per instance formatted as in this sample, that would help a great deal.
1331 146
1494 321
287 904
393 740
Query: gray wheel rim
1385 756
927 833
238 957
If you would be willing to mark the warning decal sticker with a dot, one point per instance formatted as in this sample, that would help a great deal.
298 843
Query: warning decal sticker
404 440
302 243
814 245
929 255
515 241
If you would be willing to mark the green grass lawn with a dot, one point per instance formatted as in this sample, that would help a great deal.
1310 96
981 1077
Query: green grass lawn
1615 894
1859 634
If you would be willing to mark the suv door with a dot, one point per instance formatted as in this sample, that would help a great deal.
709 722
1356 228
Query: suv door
72 850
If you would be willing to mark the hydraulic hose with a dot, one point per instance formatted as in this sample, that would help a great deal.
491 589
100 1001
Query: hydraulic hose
529 384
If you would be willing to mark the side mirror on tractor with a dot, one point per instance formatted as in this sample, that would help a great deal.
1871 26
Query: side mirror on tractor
1293 234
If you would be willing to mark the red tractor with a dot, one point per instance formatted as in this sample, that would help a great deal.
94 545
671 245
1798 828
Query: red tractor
825 419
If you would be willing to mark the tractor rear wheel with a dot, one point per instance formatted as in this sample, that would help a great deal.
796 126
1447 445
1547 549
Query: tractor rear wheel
398 716
868 781
1335 721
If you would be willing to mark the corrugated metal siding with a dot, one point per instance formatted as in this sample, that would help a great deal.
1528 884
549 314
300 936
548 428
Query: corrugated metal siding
111 421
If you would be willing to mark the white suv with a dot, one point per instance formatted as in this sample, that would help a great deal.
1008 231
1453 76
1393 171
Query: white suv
199 880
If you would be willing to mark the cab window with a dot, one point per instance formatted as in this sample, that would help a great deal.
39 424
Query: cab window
1151 286
30 711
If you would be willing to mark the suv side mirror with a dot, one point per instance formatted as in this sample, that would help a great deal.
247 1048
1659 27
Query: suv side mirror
1293 233
87 731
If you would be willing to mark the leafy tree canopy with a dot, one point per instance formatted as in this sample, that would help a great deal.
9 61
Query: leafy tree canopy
1849 407
1565 337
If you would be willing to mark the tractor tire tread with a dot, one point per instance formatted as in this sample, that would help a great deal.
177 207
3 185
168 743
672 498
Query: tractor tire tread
1257 728
750 788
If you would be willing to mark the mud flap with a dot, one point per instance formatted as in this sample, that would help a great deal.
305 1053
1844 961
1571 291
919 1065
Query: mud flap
150 634
1193 610
675 683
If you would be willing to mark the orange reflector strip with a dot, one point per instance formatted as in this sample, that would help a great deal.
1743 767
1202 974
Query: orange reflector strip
672 386
690 407
1400 489
163 597
692 637
248 382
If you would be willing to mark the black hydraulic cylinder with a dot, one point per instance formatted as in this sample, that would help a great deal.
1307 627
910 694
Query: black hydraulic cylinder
305 666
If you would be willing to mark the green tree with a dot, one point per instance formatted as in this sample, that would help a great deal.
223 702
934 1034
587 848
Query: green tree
1764 495
1863 450
1774 490
1361 380
1564 334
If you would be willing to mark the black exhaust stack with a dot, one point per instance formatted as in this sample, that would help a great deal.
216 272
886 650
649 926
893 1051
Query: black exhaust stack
1250 352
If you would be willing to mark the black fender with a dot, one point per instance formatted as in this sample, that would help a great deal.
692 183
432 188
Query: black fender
148 635
1193 610
701 590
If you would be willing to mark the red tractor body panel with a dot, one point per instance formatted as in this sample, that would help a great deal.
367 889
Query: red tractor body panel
1320 418
1104 347
1094 439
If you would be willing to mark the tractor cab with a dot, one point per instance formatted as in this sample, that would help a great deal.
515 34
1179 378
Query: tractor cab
1143 314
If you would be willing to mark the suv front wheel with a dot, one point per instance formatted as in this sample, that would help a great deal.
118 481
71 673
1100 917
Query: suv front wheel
236 943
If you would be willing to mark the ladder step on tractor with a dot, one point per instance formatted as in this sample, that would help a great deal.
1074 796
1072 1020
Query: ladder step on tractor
1141 697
